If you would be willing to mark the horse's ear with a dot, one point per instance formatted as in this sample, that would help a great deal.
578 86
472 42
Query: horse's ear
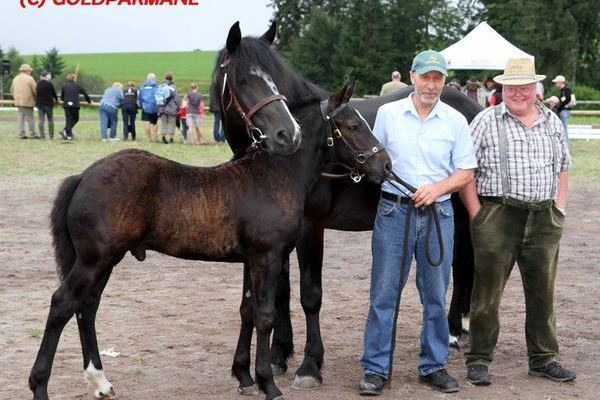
348 91
269 35
234 37
341 97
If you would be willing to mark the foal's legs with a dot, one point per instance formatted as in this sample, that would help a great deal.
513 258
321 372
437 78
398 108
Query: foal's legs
66 300
86 321
241 361
282 344
310 257
264 272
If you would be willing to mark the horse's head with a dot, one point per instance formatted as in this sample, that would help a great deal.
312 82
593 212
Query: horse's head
352 143
248 96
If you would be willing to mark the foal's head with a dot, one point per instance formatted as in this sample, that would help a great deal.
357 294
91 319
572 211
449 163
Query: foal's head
352 143
246 88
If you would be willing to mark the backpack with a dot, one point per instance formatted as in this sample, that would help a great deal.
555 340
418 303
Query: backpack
147 99
163 94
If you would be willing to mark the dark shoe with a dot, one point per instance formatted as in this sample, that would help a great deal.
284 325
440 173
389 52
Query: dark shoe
440 380
371 385
164 140
554 372
478 375
171 140
23 137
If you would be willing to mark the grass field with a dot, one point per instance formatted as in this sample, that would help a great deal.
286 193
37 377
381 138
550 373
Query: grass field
45 159
41 160
187 67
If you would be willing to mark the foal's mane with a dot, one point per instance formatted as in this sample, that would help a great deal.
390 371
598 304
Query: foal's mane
254 51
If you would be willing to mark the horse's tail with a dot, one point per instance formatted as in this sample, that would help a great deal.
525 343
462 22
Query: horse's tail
64 252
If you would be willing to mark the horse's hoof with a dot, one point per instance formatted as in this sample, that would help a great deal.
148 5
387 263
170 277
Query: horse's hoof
109 394
278 370
453 342
251 390
306 383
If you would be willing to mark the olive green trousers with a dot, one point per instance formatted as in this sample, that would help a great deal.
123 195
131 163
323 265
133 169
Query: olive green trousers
503 232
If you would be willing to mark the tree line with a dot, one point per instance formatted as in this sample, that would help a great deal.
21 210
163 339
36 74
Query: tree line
52 62
331 41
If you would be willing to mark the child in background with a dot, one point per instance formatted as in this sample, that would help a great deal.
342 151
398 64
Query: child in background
193 117
180 120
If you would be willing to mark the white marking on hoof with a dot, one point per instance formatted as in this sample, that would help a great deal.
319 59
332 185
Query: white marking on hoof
277 370
453 341
306 383
466 323
279 398
248 390
103 389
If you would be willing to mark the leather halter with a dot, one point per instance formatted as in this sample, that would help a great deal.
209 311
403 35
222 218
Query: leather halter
254 133
360 157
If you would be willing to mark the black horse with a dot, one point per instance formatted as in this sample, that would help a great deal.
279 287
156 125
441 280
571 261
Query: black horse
333 203
249 210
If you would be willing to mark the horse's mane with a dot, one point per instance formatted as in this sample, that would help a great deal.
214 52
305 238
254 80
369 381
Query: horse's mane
254 51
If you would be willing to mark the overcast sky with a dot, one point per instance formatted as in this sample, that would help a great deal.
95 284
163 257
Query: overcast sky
121 28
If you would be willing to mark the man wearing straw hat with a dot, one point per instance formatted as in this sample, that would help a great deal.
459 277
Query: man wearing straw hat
517 208
23 89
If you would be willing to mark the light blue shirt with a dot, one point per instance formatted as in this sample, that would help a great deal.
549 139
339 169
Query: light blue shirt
113 96
424 152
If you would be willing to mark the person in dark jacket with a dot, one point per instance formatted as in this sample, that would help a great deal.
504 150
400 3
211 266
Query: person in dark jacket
213 107
129 110
564 110
45 99
70 96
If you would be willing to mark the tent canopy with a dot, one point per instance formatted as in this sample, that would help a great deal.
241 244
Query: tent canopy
482 48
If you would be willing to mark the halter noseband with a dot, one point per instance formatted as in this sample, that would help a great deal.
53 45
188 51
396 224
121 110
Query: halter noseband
254 133
360 157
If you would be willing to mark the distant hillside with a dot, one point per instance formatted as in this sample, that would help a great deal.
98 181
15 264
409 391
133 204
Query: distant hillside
187 67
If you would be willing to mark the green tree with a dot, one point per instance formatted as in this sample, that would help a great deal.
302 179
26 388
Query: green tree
15 62
544 28
363 47
53 62
311 52
293 16
37 67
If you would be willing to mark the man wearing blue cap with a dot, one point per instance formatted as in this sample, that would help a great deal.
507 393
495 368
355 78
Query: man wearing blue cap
431 148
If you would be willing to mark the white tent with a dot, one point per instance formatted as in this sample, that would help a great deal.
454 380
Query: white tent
482 48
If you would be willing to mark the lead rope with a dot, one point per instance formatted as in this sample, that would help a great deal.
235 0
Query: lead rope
403 269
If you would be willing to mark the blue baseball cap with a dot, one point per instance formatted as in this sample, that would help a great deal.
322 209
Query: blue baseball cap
427 61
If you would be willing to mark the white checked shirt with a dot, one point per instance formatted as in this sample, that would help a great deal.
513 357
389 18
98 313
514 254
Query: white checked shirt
529 155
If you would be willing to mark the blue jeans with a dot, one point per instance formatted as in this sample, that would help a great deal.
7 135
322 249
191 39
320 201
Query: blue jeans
432 283
108 119
564 116
218 133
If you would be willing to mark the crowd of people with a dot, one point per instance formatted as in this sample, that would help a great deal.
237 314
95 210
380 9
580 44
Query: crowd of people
156 101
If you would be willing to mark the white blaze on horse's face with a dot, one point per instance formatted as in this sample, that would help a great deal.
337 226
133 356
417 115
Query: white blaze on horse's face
256 71
364 120
95 378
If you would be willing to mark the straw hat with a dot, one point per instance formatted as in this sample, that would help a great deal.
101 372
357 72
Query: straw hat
25 67
519 71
